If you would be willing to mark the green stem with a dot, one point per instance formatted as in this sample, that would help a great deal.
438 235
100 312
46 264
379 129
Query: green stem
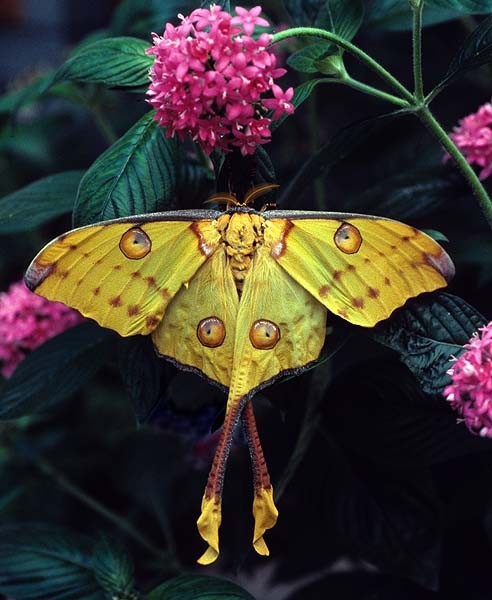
430 121
372 91
48 469
349 47
417 50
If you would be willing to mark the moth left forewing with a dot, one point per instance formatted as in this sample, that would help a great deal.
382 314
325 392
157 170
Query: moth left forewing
122 273
361 268
273 304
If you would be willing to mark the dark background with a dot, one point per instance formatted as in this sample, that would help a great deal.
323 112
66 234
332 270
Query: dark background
391 498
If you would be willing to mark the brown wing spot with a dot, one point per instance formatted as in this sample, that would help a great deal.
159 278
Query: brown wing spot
96 291
441 263
351 268
393 247
117 268
211 332
337 275
135 244
372 292
165 294
278 249
116 301
151 282
73 246
264 334
62 237
205 248
133 310
387 281
98 261
343 313
358 302
152 321
380 253
406 238
86 254
63 274
323 291
135 274
367 260
347 238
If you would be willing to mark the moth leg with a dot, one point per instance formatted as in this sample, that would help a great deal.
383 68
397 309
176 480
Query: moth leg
264 510
211 514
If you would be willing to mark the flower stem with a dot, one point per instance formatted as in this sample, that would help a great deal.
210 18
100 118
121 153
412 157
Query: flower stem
417 8
372 91
349 47
48 469
437 130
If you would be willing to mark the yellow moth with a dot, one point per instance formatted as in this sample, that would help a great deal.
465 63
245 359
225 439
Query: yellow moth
240 297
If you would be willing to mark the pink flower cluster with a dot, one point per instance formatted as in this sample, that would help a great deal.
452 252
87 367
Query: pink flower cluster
26 321
473 136
471 391
210 78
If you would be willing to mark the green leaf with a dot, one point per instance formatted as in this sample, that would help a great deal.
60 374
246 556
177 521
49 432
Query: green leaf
330 154
308 59
338 16
396 15
476 51
265 171
136 175
303 12
54 370
113 568
343 17
115 62
436 235
427 332
40 562
39 202
195 181
140 369
408 195
198 587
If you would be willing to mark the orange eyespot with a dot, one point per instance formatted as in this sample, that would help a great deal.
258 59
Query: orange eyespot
348 238
264 334
211 332
135 243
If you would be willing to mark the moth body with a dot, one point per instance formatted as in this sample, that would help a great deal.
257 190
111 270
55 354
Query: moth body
241 234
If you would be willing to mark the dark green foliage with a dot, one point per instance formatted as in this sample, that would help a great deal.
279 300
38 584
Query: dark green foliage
43 562
55 371
39 202
427 333
135 175
476 51
189 587
115 62
140 370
